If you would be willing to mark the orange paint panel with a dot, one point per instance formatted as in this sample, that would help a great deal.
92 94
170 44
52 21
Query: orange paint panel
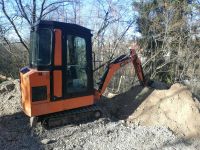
112 71
58 47
25 93
33 78
40 78
57 83
61 105
97 95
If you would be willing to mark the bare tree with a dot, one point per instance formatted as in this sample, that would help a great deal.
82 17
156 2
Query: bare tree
29 11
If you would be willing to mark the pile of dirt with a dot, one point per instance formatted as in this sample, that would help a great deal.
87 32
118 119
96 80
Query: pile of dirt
174 108
123 105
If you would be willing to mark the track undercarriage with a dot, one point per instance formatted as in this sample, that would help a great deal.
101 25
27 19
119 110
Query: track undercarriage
75 116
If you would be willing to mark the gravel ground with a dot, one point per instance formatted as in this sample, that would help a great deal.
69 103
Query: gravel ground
101 134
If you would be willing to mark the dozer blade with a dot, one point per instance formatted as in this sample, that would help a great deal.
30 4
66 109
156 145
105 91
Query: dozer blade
75 116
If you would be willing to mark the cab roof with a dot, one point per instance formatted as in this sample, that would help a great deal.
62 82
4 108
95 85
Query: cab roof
62 25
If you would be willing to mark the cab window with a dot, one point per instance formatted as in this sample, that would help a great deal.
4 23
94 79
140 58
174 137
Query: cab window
41 47
44 46
76 64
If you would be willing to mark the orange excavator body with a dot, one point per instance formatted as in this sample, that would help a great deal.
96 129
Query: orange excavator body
32 108
60 75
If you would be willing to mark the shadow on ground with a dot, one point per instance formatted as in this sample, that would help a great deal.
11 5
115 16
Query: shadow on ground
190 143
16 133
123 105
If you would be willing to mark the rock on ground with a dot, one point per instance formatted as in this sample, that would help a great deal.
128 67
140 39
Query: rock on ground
10 97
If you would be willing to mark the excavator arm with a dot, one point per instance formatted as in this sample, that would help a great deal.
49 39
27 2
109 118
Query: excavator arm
115 65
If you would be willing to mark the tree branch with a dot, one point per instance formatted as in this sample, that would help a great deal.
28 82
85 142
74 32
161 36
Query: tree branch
22 11
54 3
13 25
42 9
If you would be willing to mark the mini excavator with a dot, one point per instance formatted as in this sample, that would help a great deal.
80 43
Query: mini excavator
57 87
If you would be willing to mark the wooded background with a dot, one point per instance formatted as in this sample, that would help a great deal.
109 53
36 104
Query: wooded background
167 32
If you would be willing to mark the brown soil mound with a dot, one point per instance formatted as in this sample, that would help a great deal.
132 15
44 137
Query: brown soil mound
174 108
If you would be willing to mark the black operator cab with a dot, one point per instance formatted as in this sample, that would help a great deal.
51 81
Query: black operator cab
76 55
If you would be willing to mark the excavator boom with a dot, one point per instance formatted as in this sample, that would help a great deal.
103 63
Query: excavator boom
116 64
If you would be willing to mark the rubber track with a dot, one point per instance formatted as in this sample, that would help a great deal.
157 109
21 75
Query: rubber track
75 116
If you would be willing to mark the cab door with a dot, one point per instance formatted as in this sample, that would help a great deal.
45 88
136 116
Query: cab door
77 74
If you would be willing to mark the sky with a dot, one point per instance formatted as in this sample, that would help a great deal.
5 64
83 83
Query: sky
128 14
88 15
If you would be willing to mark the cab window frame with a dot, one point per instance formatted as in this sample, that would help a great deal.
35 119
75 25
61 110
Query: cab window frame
50 50
69 63
35 49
